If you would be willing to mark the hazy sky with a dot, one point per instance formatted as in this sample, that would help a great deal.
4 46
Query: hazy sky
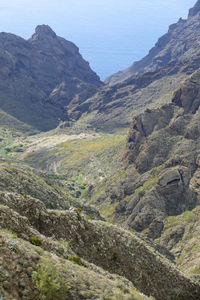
111 34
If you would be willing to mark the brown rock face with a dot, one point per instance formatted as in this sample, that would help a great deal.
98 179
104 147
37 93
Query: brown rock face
152 129
33 71
143 126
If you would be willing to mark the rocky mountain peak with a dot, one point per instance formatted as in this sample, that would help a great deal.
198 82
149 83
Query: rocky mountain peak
194 10
40 65
43 31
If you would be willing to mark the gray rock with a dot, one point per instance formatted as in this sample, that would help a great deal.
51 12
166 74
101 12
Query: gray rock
168 177
41 76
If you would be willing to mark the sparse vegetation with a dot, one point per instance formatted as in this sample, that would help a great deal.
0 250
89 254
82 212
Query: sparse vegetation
146 186
35 241
50 281
77 260
195 270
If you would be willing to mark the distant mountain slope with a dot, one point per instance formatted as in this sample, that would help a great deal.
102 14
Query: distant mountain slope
152 81
40 76
180 44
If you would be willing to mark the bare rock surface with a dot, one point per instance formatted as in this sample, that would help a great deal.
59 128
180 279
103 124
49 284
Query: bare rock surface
36 75
161 161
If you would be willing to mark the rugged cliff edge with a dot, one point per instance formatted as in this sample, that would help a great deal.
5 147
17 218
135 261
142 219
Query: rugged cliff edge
167 139
161 163
177 45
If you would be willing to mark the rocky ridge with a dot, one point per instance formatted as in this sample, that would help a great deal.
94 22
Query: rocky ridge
178 45
114 249
45 230
167 139
40 76
148 83
73 94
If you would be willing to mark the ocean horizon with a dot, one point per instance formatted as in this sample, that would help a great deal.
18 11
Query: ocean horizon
111 35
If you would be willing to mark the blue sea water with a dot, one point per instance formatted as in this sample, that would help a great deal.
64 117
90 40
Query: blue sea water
111 34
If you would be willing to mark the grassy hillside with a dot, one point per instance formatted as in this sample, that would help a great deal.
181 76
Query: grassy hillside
93 156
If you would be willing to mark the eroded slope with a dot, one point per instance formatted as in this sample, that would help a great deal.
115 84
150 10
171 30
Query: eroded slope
116 250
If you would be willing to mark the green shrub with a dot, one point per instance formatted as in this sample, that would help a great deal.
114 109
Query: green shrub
50 281
141 193
1 270
115 256
35 241
7 149
189 216
17 148
79 212
77 260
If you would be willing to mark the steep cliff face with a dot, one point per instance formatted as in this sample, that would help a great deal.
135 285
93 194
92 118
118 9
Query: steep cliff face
167 138
161 163
177 45
40 76
181 116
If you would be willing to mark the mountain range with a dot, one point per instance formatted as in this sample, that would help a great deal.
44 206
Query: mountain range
100 181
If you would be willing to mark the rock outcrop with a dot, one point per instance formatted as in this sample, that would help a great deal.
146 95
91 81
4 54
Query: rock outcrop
40 76
188 95
167 138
